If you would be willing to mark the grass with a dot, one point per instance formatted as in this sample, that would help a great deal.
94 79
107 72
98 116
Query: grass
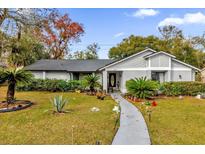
38 125
176 121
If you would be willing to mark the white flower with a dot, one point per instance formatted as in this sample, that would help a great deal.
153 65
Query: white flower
116 109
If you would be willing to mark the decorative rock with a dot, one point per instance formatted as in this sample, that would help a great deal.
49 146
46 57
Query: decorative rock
180 97
95 109
198 96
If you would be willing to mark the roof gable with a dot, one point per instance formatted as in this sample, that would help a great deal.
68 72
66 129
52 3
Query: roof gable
195 68
161 52
127 58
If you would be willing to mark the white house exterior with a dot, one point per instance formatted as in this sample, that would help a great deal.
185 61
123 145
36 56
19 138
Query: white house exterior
154 65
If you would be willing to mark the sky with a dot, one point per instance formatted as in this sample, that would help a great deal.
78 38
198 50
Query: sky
108 27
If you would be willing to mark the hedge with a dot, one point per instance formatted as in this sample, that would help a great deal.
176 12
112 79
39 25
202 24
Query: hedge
51 85
182 88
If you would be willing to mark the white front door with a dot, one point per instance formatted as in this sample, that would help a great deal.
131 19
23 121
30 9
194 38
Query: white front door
161 77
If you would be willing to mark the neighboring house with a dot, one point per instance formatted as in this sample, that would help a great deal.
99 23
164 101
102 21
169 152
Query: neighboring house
203 75
154 65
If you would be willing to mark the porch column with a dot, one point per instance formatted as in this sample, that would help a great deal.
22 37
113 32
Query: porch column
44 75
104 80
149 76
169 75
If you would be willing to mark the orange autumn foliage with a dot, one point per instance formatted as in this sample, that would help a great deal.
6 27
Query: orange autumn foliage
58 32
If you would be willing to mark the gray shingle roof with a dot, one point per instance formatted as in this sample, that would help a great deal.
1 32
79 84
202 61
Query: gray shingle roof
68 65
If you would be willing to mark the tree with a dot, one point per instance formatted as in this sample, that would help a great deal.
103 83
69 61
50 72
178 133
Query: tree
28 50
22 52
170 32
92 81
134 44
18 23
12 20
91 52
58 32
79 55
172 41
14 76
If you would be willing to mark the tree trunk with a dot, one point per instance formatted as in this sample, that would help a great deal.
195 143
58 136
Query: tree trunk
92 89
11 93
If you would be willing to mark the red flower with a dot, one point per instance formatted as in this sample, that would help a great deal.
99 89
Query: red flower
154 103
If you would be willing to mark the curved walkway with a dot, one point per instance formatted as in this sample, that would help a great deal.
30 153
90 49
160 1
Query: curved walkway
133 129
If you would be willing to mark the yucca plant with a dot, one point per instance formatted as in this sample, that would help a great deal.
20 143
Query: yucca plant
12 77
59 103
141 87
92 81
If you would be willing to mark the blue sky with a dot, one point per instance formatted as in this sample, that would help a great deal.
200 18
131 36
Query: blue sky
107 27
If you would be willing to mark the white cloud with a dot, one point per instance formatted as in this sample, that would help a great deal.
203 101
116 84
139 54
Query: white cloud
119 34
145 12
189 18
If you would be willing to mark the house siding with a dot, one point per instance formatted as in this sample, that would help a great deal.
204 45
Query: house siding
127 75
137 61
178 65
159 60
57 75
51 75
37 74
186 75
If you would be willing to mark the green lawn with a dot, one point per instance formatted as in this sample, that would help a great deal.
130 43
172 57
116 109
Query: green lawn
176 121
38 125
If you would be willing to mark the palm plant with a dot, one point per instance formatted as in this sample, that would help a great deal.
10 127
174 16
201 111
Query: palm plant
12 77
59 103
92 81
141 87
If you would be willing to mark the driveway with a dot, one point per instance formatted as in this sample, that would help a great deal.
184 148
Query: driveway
133 129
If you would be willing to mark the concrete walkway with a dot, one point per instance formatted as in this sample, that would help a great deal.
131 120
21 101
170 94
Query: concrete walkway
133 129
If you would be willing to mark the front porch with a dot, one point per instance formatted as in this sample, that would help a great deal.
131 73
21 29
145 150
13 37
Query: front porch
115 80
112 81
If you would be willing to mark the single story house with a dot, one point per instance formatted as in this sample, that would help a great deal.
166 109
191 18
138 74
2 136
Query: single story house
160 66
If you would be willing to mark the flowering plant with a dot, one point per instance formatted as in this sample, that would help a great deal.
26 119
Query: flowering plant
149 108
154 104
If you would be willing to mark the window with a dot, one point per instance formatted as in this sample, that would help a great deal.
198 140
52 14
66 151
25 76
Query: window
75 76
180 77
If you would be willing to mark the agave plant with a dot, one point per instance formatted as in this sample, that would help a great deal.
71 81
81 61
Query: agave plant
59 103
12 77
92 81
141 87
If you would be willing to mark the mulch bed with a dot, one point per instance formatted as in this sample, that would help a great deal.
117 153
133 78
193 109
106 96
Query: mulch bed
17 105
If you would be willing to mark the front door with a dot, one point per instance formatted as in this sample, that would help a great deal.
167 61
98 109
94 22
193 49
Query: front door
158 76
155 76
112 80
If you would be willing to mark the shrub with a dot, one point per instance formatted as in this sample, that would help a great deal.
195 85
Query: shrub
182 88
59 103
51 85
14 76
141 87
92 81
